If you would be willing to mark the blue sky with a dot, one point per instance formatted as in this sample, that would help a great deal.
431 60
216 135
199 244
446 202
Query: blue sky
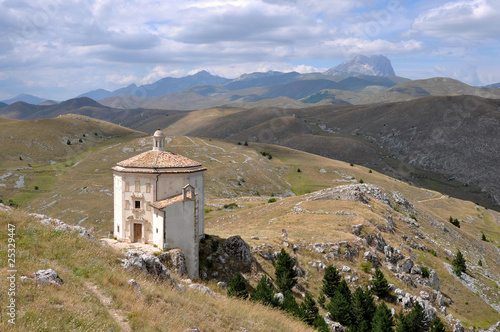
58 49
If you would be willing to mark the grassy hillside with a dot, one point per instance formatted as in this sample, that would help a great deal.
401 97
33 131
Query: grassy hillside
95 295
80 192
442 143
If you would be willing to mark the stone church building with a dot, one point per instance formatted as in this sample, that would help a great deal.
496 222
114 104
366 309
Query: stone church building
159 199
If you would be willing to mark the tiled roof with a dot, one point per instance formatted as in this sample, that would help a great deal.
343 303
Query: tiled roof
169 201
159 159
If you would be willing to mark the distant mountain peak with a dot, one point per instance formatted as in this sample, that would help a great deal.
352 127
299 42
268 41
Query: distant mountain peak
375 65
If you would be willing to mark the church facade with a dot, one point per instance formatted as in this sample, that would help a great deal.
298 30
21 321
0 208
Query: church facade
159 199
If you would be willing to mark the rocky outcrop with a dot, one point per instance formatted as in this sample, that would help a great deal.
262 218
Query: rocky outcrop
235 247
202 289
45 277
147 264
174 259
61 226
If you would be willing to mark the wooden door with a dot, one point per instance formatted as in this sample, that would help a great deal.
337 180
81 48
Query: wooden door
137 232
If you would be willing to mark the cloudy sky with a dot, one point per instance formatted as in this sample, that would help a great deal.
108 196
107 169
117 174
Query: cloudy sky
58 49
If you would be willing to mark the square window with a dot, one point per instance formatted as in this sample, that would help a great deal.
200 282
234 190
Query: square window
137 204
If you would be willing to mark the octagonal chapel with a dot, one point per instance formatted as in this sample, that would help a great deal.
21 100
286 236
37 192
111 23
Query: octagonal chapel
159 199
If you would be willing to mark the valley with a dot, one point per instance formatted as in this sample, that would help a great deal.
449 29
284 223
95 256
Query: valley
318 201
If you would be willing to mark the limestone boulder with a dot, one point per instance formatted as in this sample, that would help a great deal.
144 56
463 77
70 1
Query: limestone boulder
237 248
147 264
202 289
45 277
405 266
174 259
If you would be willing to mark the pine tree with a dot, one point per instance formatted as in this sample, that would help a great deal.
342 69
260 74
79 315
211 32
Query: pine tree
285 274
459 265
414 321
363 309
340 306
309 310
289 304
380 284
436 325
382 319
331 281
238 287
264 292
320 324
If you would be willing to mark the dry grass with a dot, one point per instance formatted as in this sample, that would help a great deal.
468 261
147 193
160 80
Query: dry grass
75 307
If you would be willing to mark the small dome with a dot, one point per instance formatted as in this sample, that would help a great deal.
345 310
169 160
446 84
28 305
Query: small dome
159 133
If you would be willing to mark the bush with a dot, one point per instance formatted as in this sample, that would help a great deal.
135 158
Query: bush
480 263
230 206
454 222
298 170
246 143
366 267
433 252
425 272
238 287
370 171
271 200
484 238
361 181
68 142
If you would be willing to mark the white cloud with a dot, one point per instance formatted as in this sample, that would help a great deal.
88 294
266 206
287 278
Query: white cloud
235 70
350 46
470 20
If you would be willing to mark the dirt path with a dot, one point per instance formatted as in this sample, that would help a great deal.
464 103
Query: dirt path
106 300
432 199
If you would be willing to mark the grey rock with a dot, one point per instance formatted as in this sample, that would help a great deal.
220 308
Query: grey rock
239 249
405 266
346 269
434 281
356 229
147 264
406 302
458 327
222 284
201 288
175 260
280 297
399 292
136 285
46 277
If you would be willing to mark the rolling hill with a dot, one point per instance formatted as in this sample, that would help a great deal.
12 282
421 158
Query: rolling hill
445 143
320 223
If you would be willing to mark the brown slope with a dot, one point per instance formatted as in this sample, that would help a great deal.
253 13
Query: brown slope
437 86
445 143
